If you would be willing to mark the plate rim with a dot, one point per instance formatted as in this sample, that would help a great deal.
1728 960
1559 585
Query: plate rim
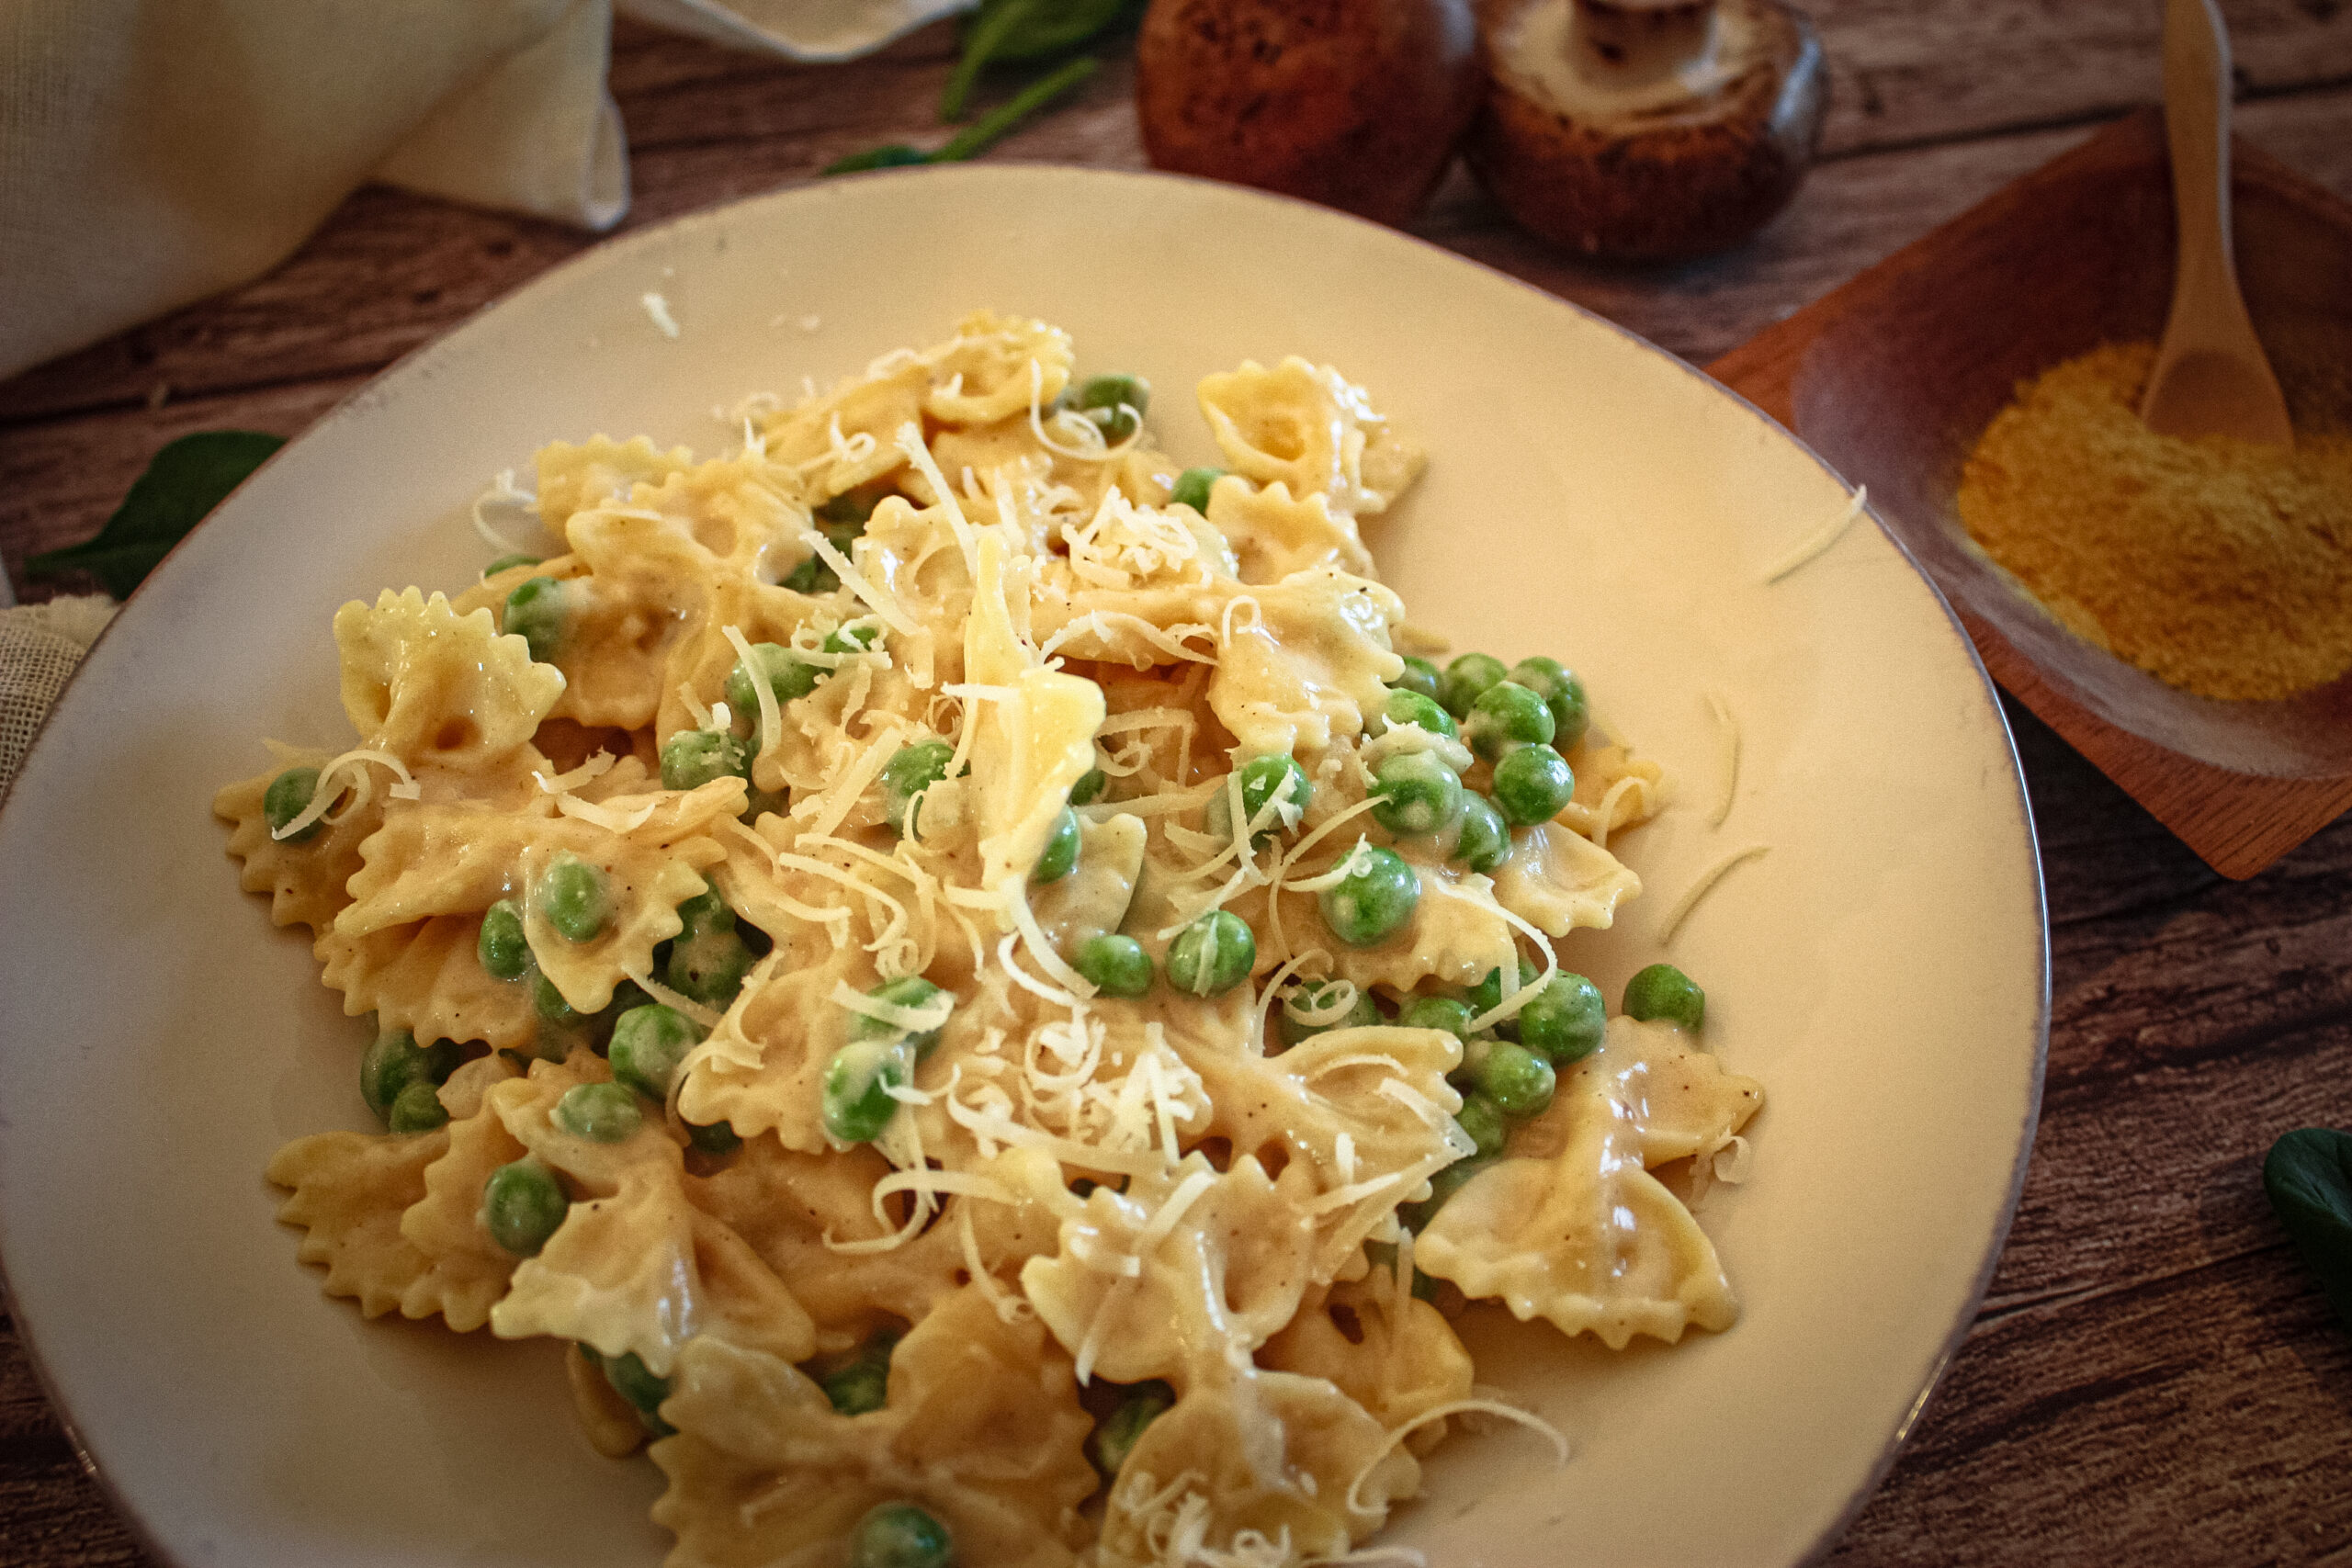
617 249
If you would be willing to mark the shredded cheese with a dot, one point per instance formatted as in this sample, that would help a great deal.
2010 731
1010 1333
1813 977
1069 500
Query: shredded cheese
658 309
1698 889
321 797
1727 730
610 817
504 492
1820 539
1527 1418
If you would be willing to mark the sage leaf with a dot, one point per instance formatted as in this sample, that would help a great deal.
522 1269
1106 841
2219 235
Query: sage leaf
183 482
2309 1177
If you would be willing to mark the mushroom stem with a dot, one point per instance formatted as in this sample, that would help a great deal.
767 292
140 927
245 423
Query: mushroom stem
1638 41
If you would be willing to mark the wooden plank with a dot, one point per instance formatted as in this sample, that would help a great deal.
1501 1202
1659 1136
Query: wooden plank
2200 1419
708 124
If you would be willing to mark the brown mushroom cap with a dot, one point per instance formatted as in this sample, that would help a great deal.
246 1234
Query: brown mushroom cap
1614 153
1356 104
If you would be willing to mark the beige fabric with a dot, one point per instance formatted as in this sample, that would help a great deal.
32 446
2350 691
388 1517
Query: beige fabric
154 151
40 645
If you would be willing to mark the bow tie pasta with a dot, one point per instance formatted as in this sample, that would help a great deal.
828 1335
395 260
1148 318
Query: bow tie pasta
959 964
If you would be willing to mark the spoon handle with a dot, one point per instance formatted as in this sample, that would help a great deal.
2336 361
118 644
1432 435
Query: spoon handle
2197 131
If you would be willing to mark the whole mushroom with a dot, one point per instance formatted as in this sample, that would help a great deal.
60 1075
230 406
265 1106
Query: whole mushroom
1646 130
1356 104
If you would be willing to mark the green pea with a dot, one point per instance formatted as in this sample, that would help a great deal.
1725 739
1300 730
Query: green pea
1275 776
504 954
1518 1081
1212 955
1313 995
1488 993
1404 707
910 771
854 639
1442 1186
1193 488
417 1108
1116 966
692 758
1373 900
1089 787
537 612
522 1206
288 796
856 1101
1465 678
1664 992
576 898
1417 794
1483 842
1566 1020
1115 1436
507 563
899 1535
715 1138
707 959
1506 716
850 506
787 674
649 1042
907 991
1532 784
1483 1119
393 1061
1422 678
549 1004
1561 692
1437 1013
1115 403
634 1380
859 1388
1060 857
601 1113
812 576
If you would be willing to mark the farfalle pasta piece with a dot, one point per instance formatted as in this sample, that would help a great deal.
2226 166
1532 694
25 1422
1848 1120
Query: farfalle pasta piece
1259 1466
598 472
1274 535
1558 881
374 1208
994 367
635 1268
761 1068
1304 661
849 437
304 877
1178 1272
426 977
1367 1111
1586 1238
431 686
1309 428
1614 789
981 1428
1392 1354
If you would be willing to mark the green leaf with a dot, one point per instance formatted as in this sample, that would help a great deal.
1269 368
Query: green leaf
898 154
2309 1177
186 479
1016 30
991 126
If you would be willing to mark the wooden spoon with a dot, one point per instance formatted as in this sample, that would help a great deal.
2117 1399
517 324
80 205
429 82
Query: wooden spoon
2211 377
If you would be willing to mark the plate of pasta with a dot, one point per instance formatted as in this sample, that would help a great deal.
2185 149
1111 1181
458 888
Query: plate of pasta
1018 868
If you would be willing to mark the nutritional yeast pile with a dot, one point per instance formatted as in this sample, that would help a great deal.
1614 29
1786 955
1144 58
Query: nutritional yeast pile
957 965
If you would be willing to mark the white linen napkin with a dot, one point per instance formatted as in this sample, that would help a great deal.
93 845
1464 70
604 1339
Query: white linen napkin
152 151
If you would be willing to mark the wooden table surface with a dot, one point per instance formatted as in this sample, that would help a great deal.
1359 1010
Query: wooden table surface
2152 1378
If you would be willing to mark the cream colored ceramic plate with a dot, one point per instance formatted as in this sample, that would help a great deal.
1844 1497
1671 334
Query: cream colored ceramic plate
1881 969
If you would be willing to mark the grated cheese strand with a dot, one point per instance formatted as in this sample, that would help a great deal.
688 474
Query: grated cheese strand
1820 539
1700 888
1397 1435
771 718
1727 727
322 797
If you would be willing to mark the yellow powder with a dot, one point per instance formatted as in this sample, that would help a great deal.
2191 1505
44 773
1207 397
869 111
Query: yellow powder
2218 566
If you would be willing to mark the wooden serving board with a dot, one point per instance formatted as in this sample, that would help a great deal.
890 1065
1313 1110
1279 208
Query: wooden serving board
1891 377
